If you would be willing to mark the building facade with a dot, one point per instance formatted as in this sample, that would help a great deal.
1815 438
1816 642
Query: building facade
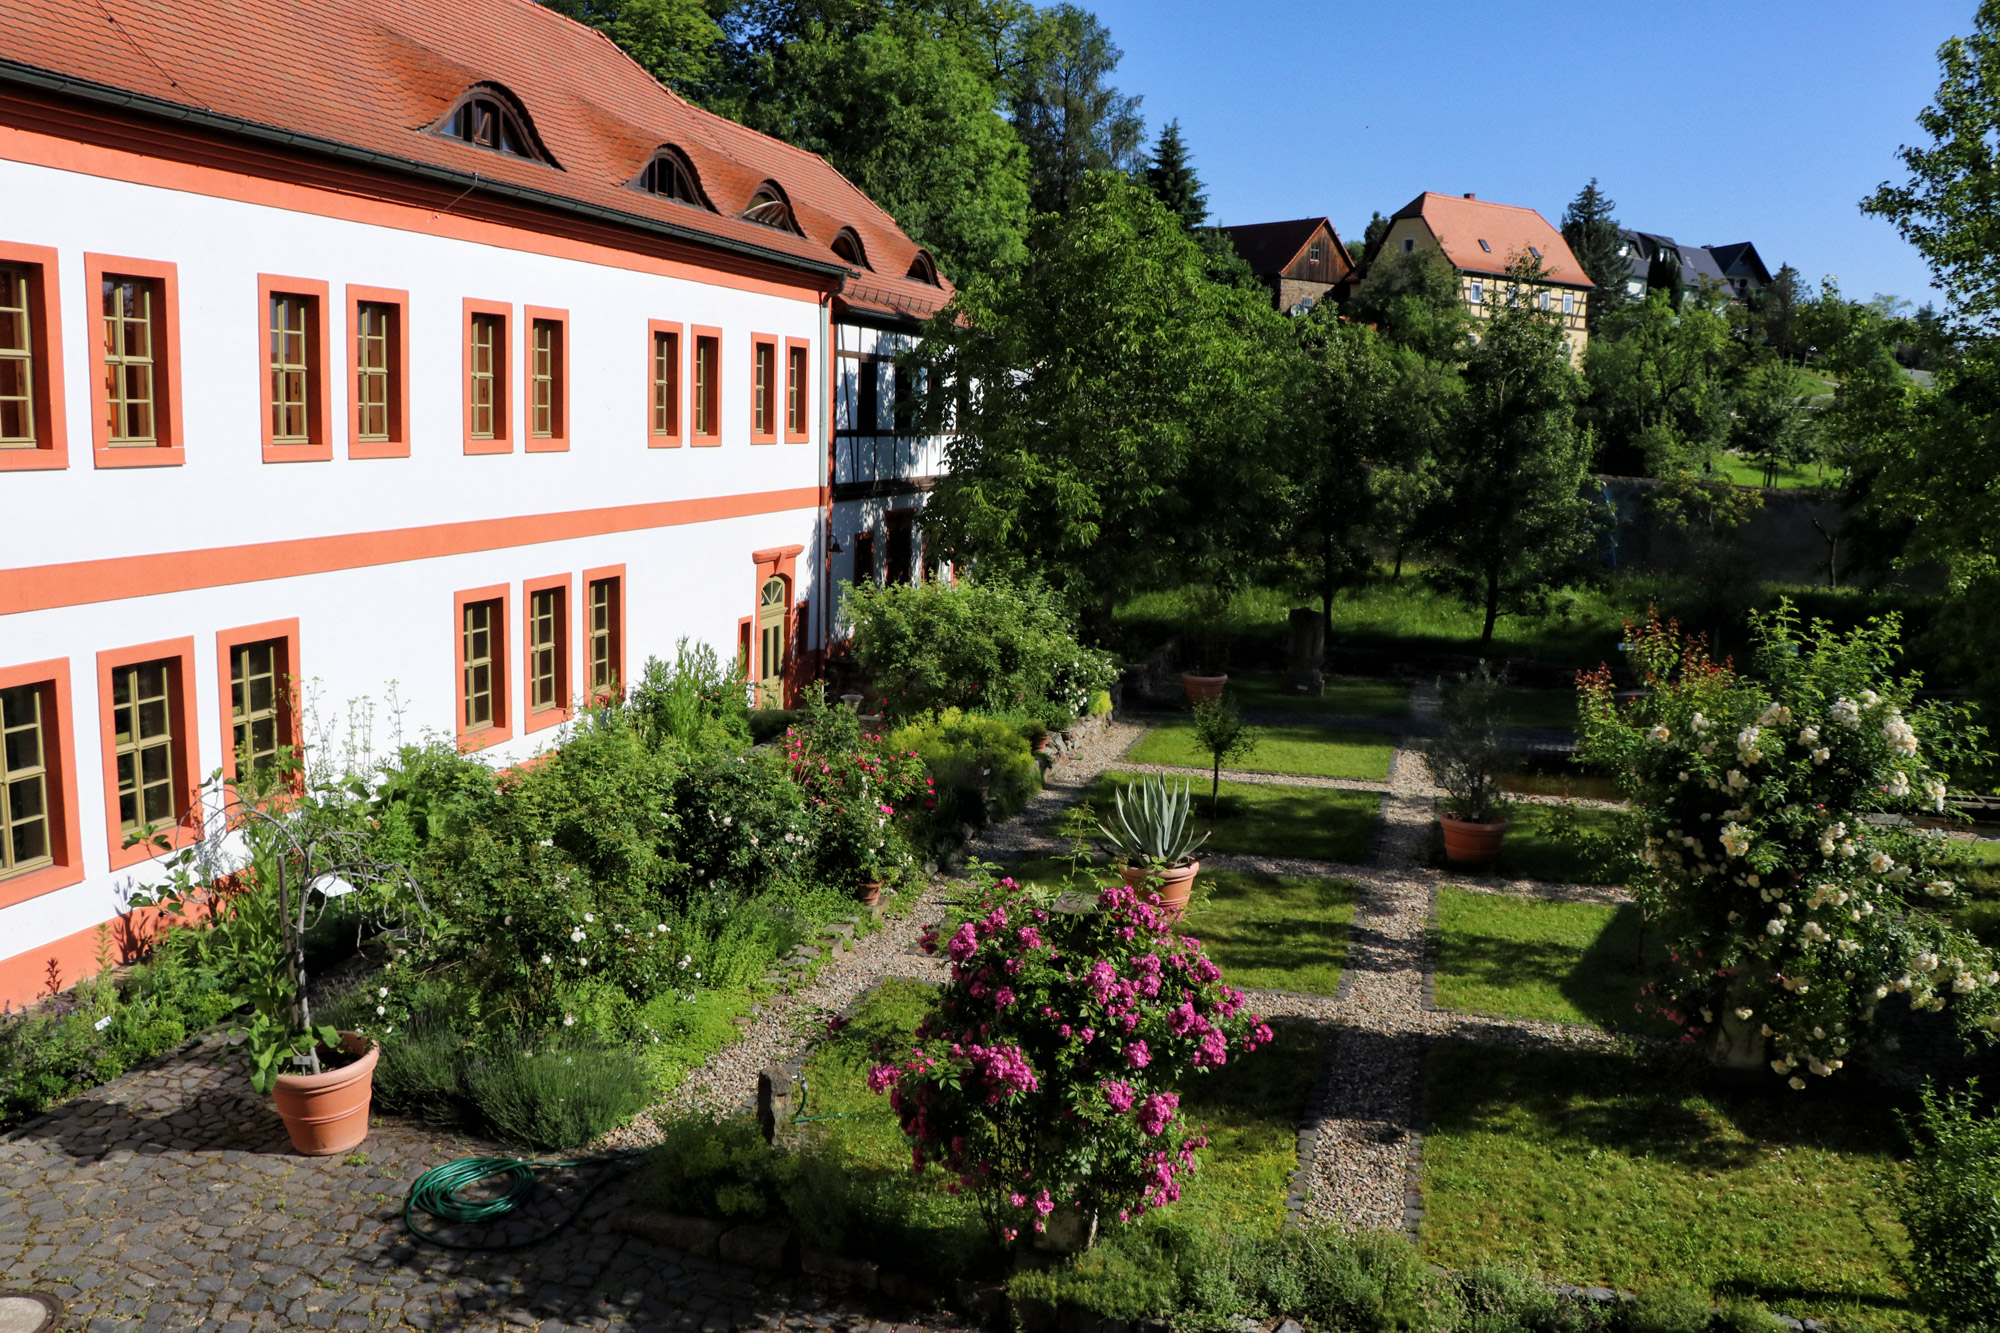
1301 261
1481 239
431 356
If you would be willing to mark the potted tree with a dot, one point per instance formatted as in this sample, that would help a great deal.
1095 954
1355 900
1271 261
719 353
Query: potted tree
265 867
1466 761
1202 632
1220 731
1149 835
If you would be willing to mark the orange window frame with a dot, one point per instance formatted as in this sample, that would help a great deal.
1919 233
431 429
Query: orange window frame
226 642
765 397
51 448
169 451
502 728
534 719
319 410
502 441
398 443
557 440
798 390
186 767
705 398
616 573
65 834
656 438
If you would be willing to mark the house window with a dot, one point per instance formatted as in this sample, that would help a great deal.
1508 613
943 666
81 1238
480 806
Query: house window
545 378
130 384
374 332
487 388
27 839
768 207
798 387
847 245
546 621
667 383
1533 251
1569 303
864 558
17 360
763 391
903 399
1312 252
868 411
1543 300
901 550
481 650
1484 246
1409 244
257 712
142 729
289 369
485 121
606 649
669 176
1478 293
708 385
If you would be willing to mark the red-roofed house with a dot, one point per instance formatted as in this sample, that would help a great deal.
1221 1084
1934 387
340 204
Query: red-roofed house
366 341
1300 261
1481 239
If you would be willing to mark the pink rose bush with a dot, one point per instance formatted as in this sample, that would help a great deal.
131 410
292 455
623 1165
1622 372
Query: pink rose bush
1778 849
1047 1073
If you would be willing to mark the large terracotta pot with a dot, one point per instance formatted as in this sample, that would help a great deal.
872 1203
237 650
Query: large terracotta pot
870 893
328 1113
1176 888
1202 689
1469 843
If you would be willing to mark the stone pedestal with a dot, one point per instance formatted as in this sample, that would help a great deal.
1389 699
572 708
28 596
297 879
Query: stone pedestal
1305 654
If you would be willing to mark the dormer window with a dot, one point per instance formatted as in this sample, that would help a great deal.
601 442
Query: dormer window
488 117
847 245
924 269
671 176
769 208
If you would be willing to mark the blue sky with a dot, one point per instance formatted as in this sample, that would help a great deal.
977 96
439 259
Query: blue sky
1710 122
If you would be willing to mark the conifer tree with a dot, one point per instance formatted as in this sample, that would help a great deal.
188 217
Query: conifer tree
1592 234
1172 177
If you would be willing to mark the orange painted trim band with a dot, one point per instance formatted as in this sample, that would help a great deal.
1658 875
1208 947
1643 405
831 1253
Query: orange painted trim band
169 451
59 764
51 449
318 447
187 766
398 443
82 582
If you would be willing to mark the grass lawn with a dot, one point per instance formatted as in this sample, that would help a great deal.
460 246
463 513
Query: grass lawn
1791 476
1282 749
1640 1172
1350 696
1312 823
1275 932
1534 851
1529 958
1518 706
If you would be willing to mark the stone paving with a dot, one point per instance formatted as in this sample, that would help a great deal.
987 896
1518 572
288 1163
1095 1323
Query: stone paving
170 1198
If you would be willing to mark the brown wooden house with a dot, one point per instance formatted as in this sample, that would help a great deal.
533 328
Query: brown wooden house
1300 261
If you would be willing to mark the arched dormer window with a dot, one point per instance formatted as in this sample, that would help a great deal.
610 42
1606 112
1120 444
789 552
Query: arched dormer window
670 175
847 244
924 269
488 116
769 207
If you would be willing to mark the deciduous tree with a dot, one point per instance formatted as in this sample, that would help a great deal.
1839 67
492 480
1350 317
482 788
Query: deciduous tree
1067 113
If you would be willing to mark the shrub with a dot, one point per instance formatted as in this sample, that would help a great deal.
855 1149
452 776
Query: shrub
981 768
1791 909
1043 1078
860 793
557 1095
1670 1310
978 643
693 703
1950 1206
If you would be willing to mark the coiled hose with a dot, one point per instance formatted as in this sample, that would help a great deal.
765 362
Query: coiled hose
441 1193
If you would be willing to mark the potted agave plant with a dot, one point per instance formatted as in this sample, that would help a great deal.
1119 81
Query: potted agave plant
1466 762
262 901
1149 834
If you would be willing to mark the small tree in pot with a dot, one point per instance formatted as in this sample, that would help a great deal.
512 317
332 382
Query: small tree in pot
1220 730
1467 761
1149 834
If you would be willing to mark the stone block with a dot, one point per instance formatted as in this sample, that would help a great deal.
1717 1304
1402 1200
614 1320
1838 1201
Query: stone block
773 1249
695 1235
912 1291
839 1270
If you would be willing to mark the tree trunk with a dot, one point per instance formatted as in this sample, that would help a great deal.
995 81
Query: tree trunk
1397 577
1215 788
1492 608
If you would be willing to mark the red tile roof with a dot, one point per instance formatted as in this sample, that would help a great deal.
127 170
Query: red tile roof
377 74
1460 224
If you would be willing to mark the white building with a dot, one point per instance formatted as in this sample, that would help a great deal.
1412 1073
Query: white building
350 342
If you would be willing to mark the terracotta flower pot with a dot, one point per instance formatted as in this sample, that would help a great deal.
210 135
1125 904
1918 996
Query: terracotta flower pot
1470 843
328 1113
1176 888
870 893
1202 689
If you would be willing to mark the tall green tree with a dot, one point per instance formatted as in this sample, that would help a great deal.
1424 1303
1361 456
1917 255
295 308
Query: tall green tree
1591 231
1372 236
1949 207
1772 313
1065 109
1111 405
677 41
1660 383
1414 300
1515 517
1172 178
1775 422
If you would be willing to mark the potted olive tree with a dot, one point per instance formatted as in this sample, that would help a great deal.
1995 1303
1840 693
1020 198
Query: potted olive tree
268 861
1467 761
1149 835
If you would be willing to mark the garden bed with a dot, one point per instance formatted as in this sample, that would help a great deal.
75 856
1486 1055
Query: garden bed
1534 958
1269 819
1640 1172
1297 748
1537 849
1275 932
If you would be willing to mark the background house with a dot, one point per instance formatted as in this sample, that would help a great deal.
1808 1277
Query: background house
1742 268
1300 261
1657 262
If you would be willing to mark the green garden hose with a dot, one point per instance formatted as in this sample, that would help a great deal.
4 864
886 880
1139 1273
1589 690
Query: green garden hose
441 1193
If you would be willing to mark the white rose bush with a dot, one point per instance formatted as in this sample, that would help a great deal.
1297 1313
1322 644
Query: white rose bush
1778 852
